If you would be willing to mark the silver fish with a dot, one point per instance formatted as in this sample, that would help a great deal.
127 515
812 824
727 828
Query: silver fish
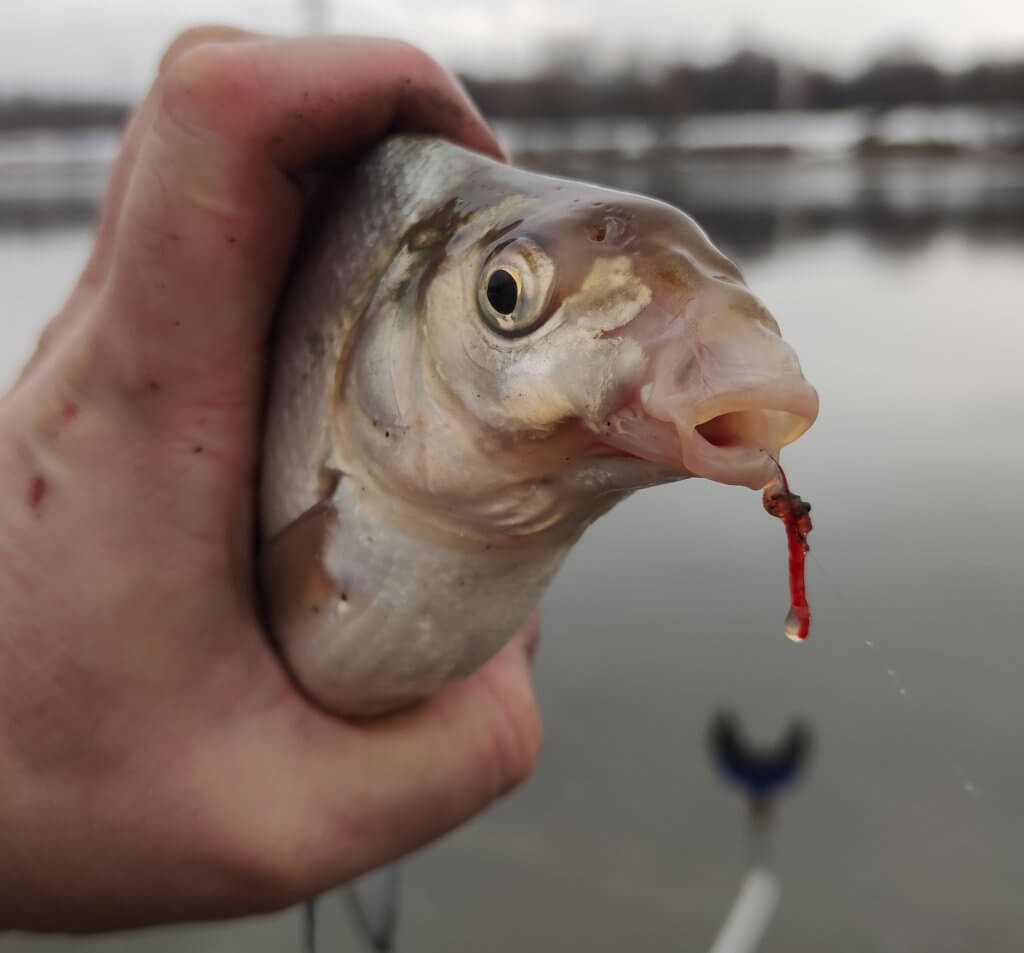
473 362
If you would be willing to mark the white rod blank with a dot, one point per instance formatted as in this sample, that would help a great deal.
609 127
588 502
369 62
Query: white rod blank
751 913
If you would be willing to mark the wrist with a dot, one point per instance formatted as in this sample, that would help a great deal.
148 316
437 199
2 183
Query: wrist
17 849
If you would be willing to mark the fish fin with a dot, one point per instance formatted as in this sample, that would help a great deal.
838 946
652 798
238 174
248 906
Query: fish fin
295 584
374 901
315 602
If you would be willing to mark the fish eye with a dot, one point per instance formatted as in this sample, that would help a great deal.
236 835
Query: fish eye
515 286
503 291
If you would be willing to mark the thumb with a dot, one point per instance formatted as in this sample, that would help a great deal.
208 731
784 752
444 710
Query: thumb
383 788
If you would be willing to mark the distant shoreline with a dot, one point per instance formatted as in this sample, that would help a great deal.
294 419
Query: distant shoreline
30 114
571 85
745 174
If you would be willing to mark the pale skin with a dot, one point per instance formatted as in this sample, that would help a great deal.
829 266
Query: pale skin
157 763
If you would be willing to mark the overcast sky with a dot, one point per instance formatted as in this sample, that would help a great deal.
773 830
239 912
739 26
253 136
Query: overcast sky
110 46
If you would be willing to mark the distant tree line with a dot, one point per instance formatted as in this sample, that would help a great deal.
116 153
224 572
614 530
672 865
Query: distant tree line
30 112
746 81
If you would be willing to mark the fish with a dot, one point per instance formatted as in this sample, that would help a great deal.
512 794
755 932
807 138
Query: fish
471 363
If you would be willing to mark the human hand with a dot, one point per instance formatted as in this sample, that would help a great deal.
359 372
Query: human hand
156 762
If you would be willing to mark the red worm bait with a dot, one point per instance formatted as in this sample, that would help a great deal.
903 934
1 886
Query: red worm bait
796 515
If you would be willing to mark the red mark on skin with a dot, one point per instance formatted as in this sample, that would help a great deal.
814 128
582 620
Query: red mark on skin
796 515
70 412
36 492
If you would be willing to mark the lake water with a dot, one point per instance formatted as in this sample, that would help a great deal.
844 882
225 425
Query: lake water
904 296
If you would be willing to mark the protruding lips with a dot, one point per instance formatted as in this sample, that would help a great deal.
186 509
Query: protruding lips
718 391
727 437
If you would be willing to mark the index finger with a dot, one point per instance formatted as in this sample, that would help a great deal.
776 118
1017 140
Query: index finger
211 212
314 98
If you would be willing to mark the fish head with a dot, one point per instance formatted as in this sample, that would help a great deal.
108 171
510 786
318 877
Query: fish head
472 363
559 345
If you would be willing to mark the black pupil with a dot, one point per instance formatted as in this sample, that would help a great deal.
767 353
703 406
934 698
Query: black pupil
502 291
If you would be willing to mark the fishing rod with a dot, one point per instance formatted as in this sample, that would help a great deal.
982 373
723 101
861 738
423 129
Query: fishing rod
760 773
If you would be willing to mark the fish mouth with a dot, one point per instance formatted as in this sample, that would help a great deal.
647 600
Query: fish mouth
717 391
729 438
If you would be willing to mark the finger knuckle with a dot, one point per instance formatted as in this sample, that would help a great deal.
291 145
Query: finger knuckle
268 883
531 741
198 36
517 741
414 59
268 871
205 84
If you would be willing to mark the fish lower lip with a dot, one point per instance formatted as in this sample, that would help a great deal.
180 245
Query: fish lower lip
691 454
728 438
739 465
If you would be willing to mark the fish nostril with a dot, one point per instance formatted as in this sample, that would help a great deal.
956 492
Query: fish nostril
610 229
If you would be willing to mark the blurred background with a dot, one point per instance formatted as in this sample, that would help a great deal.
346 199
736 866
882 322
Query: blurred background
864 163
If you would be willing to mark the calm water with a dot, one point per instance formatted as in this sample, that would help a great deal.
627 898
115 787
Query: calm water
908 833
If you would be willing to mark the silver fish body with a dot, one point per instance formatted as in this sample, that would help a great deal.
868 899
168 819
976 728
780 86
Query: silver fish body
472 363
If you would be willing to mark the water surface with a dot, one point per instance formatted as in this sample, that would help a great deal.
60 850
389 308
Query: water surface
908 834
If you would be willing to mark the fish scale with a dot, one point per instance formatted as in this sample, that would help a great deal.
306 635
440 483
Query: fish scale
434 448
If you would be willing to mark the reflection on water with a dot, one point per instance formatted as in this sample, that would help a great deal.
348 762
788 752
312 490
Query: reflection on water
748 205
53 178
796 133
751 178
907 835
